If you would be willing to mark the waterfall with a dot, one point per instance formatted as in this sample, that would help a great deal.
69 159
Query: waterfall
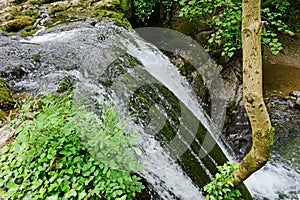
181 143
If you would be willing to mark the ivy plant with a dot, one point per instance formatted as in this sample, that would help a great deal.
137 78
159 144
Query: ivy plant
49 160
221 186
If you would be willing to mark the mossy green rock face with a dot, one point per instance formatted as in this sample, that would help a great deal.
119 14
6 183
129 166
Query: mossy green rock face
121 6
6 100
21 16
18 23
2 116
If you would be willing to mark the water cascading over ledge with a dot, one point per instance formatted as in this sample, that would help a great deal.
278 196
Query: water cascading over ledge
103 62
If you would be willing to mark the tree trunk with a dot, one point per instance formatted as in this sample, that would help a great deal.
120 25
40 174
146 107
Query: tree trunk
262 133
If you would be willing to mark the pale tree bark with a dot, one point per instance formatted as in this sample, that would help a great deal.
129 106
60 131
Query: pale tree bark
262 133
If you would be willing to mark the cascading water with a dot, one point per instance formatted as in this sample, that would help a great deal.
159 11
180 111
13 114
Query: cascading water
107 61
280 177
110 62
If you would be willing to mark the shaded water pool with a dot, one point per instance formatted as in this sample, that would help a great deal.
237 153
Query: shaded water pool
280 79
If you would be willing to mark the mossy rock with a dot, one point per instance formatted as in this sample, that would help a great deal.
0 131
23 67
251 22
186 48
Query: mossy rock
40 2
18 1
17 24
120 6
23 14
2 116
108 14
29 30
6 99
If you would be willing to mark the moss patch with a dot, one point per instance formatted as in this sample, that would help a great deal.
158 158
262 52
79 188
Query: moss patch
20 16
40 2
6 100
29 30
63 13
107 14
17 24
2 117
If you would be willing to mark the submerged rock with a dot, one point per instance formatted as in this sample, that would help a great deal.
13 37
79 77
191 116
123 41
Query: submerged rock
295 94
285 117
295 97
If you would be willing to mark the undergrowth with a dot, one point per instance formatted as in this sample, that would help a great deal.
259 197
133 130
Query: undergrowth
49 160
221 186
225 17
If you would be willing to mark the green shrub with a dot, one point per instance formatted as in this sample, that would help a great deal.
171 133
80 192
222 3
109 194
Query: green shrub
48 160
222 186
226 16
145 8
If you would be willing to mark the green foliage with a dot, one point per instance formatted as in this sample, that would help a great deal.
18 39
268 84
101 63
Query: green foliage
145 8
226 16
222 186
276 13
115 147
48 160
232 108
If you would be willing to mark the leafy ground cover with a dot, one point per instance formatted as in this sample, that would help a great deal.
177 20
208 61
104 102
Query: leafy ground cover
49 160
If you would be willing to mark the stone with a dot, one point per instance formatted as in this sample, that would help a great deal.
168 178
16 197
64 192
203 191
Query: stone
295 94
5 134
297 102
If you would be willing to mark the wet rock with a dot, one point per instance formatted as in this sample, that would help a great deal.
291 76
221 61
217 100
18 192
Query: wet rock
295 94
297 102
294 98
238 132
285 118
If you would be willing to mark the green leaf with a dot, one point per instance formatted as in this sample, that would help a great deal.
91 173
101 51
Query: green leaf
82 195
53 197
65 187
